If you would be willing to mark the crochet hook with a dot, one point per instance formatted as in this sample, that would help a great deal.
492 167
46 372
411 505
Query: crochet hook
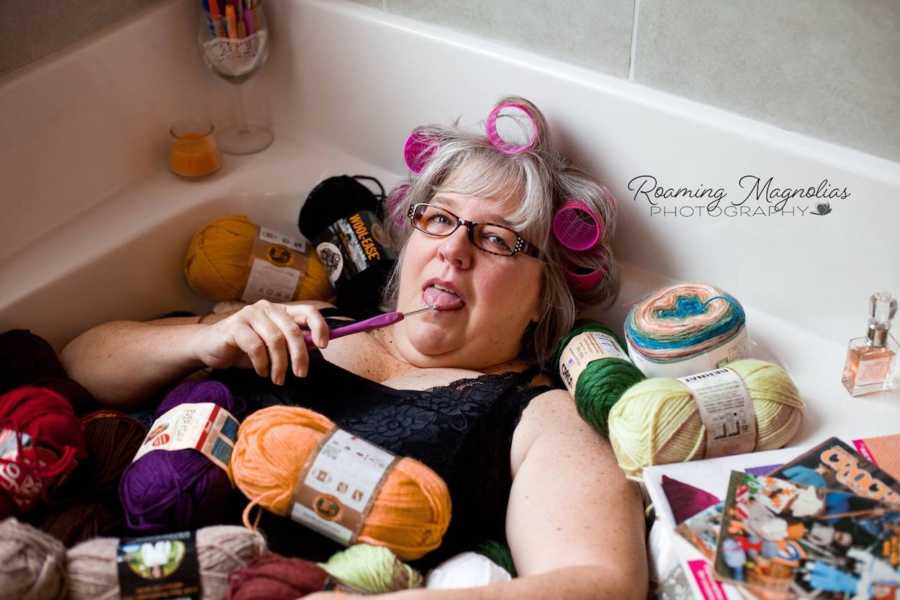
376 322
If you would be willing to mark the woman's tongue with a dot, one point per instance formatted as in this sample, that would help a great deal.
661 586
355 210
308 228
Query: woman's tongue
441 299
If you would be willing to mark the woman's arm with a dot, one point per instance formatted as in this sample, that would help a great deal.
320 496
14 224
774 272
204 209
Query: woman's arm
573 517
123 363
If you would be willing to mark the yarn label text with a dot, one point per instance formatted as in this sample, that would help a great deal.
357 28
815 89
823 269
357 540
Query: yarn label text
334 495
203 426
582 350
726 409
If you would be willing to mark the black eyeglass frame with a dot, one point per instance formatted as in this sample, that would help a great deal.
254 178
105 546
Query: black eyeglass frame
522 246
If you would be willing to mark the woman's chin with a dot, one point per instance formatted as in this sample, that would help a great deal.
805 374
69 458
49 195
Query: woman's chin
430 339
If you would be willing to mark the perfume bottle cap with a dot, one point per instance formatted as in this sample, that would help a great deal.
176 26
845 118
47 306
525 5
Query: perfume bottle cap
882 308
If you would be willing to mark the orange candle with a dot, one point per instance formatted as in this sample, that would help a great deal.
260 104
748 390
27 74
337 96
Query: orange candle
194 152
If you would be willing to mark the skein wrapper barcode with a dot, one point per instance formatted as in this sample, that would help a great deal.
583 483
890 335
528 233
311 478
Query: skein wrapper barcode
726 409
160 567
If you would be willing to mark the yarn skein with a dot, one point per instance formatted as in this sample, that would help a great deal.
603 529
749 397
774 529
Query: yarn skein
341 216
409 514
87 505
93 571
32 563
276 577
372 570
657 421
28 359
670 332
466 570
48 444
602 382
218 262
171 490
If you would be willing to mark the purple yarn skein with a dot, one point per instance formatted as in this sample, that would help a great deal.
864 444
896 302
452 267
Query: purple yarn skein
172 490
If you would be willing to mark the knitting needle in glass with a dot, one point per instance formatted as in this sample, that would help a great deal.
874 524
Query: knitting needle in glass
376 322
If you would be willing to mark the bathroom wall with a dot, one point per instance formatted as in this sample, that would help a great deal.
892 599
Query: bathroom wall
826 68
33 29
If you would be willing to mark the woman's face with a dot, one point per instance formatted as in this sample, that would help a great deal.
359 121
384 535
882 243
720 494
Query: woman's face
486 301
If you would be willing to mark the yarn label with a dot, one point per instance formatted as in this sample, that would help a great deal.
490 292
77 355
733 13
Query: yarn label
350 246
583 349
21 464
277 262
726 410
336 489
159 567
203 426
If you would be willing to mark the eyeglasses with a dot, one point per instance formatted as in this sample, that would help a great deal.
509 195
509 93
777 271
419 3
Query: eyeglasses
489 237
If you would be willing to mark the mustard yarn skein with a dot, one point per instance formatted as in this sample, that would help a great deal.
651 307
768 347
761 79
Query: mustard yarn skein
217 263
409 515
656 421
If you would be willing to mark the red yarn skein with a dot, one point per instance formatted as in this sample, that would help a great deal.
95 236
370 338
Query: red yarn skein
276 577
56 444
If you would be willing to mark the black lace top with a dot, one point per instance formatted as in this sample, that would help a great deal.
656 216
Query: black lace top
463 431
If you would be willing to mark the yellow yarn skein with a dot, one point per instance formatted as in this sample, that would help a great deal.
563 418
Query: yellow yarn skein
409 515
218 263
656 421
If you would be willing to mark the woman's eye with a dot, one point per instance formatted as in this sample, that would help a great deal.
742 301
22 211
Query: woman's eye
438 219
498 242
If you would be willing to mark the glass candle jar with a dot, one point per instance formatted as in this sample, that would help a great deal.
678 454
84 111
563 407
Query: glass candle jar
194 152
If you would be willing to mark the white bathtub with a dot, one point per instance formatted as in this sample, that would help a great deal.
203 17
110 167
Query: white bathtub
95 228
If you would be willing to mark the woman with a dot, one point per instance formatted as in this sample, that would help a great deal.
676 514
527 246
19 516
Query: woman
475 233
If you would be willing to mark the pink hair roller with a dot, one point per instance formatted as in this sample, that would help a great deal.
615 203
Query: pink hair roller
577 226
418 150
494 136
583 280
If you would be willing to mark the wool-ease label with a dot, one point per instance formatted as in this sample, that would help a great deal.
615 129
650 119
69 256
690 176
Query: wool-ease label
336 489
582 350
203 426
160 567
277 262
726 409
350 246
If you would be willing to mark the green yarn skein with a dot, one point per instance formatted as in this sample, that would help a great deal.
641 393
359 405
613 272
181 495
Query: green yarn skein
372 570
500 554
602 382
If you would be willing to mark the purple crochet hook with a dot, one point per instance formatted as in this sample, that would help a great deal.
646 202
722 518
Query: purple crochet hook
376 322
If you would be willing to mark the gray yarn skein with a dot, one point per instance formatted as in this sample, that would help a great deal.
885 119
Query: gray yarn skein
32 563
93 572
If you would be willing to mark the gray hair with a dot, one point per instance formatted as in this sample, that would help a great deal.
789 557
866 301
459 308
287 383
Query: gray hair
544 181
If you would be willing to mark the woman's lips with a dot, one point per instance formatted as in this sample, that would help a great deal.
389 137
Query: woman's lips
441 298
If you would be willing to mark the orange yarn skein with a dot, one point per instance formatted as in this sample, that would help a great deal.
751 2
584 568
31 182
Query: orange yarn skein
410 513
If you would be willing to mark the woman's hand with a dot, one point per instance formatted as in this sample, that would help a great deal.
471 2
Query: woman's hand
263 335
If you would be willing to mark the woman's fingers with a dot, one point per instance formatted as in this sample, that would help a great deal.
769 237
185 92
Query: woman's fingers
295 342
254 348
268 336
313 320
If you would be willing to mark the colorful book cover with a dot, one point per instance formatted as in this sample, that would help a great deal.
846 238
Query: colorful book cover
785 540
836 465
883 451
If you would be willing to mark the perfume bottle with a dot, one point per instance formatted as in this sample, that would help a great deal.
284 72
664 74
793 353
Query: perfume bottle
871 360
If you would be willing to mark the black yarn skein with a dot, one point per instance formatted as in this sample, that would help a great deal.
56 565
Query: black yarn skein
343 216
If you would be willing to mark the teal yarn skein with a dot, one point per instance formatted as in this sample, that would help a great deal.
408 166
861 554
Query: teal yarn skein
602 382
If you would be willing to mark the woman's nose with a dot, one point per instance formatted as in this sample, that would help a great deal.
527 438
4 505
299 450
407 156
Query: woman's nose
457 249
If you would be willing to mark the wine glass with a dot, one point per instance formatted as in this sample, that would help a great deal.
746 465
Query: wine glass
234 43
